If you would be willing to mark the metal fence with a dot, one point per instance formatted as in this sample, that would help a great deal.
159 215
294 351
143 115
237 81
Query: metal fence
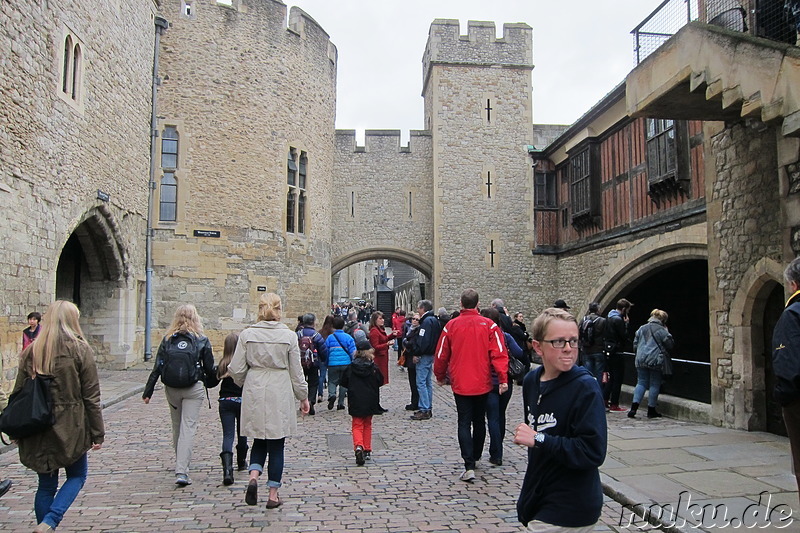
778 20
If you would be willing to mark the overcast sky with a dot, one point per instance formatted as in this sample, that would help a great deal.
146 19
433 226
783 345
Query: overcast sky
581 50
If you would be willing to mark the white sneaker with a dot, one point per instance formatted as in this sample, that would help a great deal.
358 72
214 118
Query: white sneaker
468 476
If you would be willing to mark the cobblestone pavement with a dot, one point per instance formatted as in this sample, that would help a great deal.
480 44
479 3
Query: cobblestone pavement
410 485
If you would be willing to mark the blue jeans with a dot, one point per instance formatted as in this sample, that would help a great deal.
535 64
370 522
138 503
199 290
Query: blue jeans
496 404
258 455
647 378
335 374
229 415
425 382
471 427
50 503
596 364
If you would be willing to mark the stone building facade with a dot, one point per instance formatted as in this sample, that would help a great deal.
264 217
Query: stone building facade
255 190
74 115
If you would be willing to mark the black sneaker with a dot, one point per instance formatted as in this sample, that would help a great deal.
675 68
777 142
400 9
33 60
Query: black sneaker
496 462
331 401
367 455
340 407
412 407
359 456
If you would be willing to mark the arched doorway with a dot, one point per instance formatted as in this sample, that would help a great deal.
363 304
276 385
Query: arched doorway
92 272
680 288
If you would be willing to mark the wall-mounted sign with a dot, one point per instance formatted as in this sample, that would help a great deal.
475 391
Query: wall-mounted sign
262 288
206 233
104 196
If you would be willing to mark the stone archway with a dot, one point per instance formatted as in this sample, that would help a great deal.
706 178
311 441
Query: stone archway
751 333
417 261
94 272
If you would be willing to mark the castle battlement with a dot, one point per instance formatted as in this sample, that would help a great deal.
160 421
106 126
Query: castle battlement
381 141
480 46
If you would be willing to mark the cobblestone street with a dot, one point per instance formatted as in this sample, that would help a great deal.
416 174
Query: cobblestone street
410 485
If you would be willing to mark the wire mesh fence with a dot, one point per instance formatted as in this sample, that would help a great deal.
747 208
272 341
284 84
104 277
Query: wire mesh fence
778 20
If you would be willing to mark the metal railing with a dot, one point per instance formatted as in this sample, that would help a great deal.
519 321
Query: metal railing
777 20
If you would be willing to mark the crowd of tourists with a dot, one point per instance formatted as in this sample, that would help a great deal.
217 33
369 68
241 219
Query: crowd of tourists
570 372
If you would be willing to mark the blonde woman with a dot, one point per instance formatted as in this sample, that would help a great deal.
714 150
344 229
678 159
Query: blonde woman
266 364
184 362
652 345
61 353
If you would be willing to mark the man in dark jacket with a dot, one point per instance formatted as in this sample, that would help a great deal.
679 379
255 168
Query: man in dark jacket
617 341
786 362
428 336
564 430
591 331
312 374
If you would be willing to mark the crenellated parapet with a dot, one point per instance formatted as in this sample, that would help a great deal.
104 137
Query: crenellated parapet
382 141
479 47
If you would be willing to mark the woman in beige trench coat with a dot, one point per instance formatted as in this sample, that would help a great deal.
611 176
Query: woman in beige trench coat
266 364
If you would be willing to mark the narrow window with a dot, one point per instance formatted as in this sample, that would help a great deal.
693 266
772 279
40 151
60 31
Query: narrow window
169 148
291 168
168 203
409 204
301 182
352 204
488 110
77 58
290 204
187 10
301 212
661 156
65 77
491 253
489 183
580 184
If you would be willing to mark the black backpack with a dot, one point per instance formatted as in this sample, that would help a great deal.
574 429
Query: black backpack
181 362
309 358
588 331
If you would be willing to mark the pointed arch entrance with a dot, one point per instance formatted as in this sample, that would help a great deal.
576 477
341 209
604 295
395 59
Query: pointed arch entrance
93 272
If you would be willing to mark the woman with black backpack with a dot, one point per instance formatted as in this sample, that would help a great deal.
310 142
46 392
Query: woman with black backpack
185 363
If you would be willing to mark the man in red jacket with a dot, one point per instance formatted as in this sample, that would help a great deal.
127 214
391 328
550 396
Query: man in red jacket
470 347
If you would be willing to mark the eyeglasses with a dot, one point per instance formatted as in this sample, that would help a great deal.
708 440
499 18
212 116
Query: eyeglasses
417 319
560 343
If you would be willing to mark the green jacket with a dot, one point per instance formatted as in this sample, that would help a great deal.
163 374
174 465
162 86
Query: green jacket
76 403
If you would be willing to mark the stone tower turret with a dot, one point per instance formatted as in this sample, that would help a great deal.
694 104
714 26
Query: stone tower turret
478 97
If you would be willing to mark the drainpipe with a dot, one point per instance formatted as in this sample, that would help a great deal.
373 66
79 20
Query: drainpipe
161 25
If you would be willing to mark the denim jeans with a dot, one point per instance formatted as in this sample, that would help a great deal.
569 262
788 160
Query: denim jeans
647 378
425 382
230 417
471 427
596 364
184 410
50 503
335 374
323 375
258 456
496 404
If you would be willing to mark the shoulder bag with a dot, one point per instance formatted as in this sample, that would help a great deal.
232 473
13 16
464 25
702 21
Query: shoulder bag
30 409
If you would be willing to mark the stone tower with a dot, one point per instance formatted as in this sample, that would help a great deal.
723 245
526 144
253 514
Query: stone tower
478 108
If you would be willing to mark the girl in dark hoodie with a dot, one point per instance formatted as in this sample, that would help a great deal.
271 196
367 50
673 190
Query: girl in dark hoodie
363 381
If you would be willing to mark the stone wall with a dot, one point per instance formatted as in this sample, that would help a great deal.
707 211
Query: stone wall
57 151
744 227
242 88
384 198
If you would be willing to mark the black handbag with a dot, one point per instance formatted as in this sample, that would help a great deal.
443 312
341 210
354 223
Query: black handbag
516 368
30 409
